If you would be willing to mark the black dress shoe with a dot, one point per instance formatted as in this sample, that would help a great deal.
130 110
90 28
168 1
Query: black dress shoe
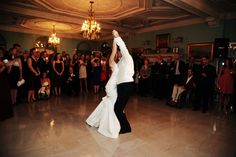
124 131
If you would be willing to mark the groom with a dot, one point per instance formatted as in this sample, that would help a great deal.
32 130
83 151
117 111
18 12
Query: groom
124 82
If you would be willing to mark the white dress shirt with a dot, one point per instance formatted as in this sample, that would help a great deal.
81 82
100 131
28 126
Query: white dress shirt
126 64
189 78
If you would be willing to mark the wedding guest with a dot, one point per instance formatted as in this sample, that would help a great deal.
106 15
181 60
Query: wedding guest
96 69
58 67
225 84
33 80
75 65
70 83
205 85
186 85
44 91
144 80
15 74
83 74
6 110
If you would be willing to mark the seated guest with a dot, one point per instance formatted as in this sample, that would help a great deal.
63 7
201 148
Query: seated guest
186 85
44 91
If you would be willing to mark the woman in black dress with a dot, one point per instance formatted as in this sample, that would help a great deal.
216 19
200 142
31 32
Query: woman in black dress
34 79
6 110
75 65
15 73
58 67
96 74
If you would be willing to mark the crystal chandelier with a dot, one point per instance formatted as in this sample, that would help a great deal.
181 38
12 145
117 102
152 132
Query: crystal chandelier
53 39
90 28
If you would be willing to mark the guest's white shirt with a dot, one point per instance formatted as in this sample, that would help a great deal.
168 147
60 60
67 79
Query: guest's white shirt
126 64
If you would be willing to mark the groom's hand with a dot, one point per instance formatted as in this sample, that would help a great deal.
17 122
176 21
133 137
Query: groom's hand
115 34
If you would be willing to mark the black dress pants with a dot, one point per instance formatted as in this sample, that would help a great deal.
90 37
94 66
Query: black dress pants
124 91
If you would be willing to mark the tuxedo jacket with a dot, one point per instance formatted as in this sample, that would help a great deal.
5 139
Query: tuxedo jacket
42 64
190 85
182 68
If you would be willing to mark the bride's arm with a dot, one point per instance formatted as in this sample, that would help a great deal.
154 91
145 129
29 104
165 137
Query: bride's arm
113 54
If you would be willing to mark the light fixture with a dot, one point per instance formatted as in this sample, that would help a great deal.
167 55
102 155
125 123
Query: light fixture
39 44
90 28
53 39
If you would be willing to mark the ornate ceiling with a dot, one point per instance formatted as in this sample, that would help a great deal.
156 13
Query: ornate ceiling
127 16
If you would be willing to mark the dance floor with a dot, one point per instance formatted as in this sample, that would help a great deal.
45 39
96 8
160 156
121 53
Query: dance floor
57 128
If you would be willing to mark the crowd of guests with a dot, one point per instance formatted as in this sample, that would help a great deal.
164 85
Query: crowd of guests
31 75
177 81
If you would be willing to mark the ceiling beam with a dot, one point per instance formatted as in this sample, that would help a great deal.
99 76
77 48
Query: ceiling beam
54 17
196 7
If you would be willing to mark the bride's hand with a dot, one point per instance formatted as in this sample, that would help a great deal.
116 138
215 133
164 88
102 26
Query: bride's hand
115 34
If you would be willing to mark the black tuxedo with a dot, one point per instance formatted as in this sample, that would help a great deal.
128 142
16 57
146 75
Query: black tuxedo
205 85
158 72
43 65
177 78
189 85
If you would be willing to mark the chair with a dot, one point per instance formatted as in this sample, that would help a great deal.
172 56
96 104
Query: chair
186 98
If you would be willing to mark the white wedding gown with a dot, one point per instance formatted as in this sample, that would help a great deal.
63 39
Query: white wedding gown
104 116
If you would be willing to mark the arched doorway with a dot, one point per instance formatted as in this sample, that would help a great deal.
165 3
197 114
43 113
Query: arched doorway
83 47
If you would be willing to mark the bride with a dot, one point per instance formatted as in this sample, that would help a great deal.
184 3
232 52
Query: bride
104 116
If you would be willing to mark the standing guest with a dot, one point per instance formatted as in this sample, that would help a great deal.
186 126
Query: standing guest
168 80
192 65
83 74
103 78
34 73
18 48
158 76
225 84
43 62
15 74
25 74
96 74
178 69
70 87
89 70
67 61
58 67
145 73
67 64
6 110
124 82
205 85
75 65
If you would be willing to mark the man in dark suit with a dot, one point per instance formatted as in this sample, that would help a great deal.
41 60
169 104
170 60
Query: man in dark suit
178 70
43 62
158 71
191 64
186 85
205 84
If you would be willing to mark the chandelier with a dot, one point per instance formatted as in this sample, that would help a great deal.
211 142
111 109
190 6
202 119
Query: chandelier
90 28
53 39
